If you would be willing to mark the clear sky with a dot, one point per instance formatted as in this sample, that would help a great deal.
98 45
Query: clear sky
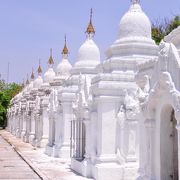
29 28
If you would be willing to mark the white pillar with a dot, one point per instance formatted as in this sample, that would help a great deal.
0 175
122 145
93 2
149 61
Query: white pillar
106 163
14 123
18 131
21 123
23 132
32 128
66 123
28 125
43 127
51 137
88 140
142 147
58 134
150 133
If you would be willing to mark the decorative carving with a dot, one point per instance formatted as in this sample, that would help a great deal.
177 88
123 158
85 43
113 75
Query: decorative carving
54 100
131 104
121 116
163 48
80 107
143 90
163 55
164 85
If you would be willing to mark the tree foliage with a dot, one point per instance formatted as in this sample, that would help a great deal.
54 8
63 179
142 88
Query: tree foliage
7 92
163 28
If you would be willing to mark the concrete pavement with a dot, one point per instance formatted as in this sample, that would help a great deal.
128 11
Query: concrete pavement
12 166
48 168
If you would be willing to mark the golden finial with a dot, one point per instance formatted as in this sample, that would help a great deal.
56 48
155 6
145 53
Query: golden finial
51 61
90 28
65 50
135 1
27 81
39 68
32 74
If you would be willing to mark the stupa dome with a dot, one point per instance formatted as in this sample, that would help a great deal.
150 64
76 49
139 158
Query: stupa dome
49 75
64 67
38 82
88 54
135 23
31 85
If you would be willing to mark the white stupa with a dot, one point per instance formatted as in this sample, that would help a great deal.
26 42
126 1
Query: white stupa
31 84
49 74
114 86
57 86
134 36
38 81
26 88
135 23
64 67
89 54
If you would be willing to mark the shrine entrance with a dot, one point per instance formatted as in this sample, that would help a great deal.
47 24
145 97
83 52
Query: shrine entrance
168 144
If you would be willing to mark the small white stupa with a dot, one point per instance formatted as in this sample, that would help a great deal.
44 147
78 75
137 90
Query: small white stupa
26 88
38 81
64 67
49 74
55 110
88 54
31 84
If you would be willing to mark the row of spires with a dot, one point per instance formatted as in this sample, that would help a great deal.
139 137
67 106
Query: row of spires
90 31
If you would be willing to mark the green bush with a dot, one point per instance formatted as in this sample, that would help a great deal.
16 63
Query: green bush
163 28
7 92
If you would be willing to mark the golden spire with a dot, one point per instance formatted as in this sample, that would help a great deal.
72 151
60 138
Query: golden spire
27 81
65 50
90 28
135 1
39 68
32 74
51 61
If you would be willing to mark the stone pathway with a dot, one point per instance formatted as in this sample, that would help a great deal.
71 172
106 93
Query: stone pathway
48 168
12 166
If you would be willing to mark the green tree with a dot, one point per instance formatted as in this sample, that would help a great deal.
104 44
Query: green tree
2 85
163 28
4 102
7 92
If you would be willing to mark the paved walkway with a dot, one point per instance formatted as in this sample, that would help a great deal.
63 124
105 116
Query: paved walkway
12 166
48 168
